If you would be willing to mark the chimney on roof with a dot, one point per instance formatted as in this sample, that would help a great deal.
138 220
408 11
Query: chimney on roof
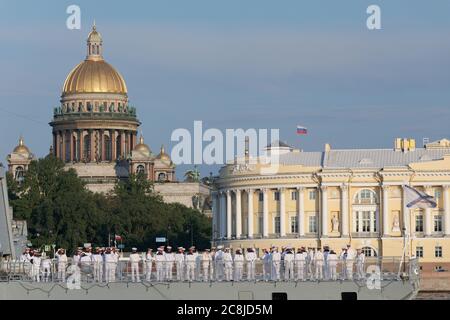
404 144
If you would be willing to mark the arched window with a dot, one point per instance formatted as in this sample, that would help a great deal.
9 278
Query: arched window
19 174
366 196
140 169
162 176
369 252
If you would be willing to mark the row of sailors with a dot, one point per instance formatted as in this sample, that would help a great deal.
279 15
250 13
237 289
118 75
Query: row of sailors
220 264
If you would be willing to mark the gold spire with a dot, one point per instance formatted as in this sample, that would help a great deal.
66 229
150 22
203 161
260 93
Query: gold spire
142 147
94 45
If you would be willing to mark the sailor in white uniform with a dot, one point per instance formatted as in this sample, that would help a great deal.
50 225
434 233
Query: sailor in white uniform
360 259
299 260
61 260
109 265
160 261
238 265
310 263
206 264
212 266
170 260
342 260
228 263
332 265
275 258
46 265
351 257
97 261
218 258
288 264
135 258
251 258
76 257
180 263
267 267
35 266
190 265
318 262
148 264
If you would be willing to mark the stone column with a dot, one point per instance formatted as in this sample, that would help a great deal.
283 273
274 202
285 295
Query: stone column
238 214
250 213
428 218
55 151
229 212
405 212
446 198
81 138
386 230
122 143
71 145
215 214
93 153
265 213
282 212
56 146
63 144
344 211
324 211
112 136
102 143
223 215
301 211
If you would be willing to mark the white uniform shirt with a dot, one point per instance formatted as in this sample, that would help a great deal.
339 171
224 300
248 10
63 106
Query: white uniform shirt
190 259
239 259
250 256
206 258
288 257
160 258
318 257
227 258
179 257
299 256
332 259
275 257
135 257
361 258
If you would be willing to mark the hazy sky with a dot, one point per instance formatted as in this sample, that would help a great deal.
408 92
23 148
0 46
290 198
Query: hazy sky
239 64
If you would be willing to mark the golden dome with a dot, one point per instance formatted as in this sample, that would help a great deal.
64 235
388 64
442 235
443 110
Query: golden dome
94 75
21 148
163 155
142 147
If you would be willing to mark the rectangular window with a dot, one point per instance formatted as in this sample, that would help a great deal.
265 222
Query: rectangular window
276 225
294 224
437 194
312 224
419 223
294 195
438 252
261 196
365 221
276 196
419 252
437 223
312 195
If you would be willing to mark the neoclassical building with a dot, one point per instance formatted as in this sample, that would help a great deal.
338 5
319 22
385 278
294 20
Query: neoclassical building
95 132
337 197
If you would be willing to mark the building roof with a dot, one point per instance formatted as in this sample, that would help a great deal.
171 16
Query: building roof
362 158
278 144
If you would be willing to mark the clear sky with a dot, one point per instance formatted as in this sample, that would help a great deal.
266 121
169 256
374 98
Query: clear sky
239 64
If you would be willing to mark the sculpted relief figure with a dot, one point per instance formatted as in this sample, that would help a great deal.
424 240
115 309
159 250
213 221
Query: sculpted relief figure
335 223
396 223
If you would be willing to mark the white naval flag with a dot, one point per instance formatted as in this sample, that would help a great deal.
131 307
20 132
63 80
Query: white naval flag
418 199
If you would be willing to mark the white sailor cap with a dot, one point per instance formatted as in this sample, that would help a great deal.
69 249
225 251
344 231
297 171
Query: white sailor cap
134 249
220 247
169 247
160 249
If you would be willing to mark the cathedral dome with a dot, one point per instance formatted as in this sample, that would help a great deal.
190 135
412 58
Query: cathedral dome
94 75
163 155
21 148
142 147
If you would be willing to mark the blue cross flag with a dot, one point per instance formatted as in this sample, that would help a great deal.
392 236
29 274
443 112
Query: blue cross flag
418 199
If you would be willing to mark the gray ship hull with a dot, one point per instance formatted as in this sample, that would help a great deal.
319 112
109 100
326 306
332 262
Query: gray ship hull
390 290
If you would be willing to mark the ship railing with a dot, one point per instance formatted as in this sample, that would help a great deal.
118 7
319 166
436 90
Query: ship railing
382 268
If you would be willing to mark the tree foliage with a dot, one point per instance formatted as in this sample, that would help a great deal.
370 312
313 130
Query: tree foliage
59 209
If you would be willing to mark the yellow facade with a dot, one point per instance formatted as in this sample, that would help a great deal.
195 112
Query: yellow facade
356 197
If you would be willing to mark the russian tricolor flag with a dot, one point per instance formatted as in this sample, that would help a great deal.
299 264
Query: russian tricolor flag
301 130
